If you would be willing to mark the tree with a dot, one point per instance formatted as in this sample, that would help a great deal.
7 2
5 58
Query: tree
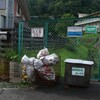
61 26
57 8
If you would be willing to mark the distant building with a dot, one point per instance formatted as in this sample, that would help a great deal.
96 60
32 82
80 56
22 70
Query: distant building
86 19
12 11
80 15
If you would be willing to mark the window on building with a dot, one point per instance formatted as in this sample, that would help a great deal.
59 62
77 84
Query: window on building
18 10
2 4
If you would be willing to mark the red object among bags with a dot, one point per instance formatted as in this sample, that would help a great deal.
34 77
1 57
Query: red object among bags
47 72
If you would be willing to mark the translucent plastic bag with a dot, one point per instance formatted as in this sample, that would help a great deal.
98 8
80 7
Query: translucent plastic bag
25 60
30 72
31 61
38 63
47 72
50 59
42 52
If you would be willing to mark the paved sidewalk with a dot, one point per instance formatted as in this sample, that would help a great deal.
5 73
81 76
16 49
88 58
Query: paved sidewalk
52 93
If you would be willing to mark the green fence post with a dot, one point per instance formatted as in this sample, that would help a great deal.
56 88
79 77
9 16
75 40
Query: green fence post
20 32
22 25
46 35
99 67
99 71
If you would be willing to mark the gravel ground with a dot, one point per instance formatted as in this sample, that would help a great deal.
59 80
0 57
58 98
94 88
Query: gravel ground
52 93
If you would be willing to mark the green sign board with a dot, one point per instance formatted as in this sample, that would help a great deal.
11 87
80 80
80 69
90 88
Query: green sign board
91 29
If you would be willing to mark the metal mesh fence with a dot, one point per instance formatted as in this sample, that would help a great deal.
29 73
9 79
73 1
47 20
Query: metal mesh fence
56 40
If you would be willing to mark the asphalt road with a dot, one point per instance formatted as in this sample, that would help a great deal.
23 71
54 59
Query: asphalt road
52 93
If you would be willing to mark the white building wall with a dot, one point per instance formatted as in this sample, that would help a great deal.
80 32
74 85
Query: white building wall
2 21
89 21
2 12
9 13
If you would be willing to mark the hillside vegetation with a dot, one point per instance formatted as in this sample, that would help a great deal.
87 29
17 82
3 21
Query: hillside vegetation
57 8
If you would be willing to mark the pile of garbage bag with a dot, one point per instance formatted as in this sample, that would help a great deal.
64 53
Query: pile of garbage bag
43 63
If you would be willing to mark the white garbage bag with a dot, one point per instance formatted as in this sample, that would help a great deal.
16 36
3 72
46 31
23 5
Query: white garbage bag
55 57
25 60
38 63
50 59
30 72
31 61
42 52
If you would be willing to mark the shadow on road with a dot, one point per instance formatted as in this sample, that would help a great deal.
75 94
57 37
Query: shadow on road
91 93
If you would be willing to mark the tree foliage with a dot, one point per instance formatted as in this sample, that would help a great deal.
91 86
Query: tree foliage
61 26
57 8
45 9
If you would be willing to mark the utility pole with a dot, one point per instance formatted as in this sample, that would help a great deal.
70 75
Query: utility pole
9 13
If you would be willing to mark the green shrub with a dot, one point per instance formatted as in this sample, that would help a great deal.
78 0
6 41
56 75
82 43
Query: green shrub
11 54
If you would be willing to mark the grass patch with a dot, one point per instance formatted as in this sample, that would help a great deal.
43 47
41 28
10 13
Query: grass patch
81 53
64 53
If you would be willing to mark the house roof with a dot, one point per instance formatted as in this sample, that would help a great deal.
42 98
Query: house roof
89 15
24 6
98 12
